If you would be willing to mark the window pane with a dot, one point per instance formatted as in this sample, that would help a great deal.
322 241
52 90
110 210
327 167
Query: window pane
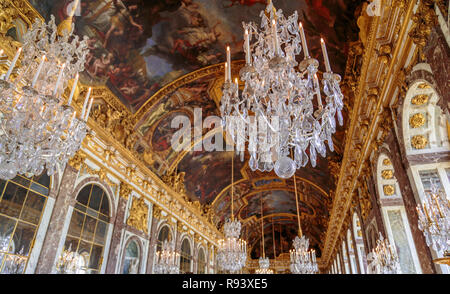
84 248
33 207
100 233
71 244
43 179
89 228
94 261
96 196
105 205
6 230
22 239
12 200
76 223
40 189
22 181
426 176
83 196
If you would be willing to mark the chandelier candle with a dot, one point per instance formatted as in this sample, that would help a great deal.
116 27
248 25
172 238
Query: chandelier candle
304 45
89 109
325 55
275 36
13 64
61 71
86 102
247 48
317 86
73 89
229 63
38 72
226 72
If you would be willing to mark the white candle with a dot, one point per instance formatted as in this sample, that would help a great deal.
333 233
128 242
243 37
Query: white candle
61 71
226 72
229 63
85 102
304 45
325 55
237 87
275 35
247 48
13 63
38 72
73 89
317 86
71 120
89 109
1 52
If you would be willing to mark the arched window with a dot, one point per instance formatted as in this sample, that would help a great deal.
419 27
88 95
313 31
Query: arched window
425 128
185 257
357 234
394 216
131 258
351 252
88 228
22 202
201 263
164 235
338 261
344 257
424 122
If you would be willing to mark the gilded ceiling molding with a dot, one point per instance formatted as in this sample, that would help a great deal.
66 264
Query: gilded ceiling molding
138 217
345 186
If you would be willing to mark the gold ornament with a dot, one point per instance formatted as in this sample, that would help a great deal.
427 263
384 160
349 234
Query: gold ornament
386 161
387 174
419 142
125 190
417 120
77 160
138 215
420 99
388 190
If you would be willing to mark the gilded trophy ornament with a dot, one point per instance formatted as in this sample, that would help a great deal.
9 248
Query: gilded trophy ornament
138 217
77 160
387 174
388 190
125 190
419 142
420 99
417 120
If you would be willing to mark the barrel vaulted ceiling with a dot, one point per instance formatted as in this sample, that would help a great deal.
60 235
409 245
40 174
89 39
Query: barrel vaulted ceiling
163 58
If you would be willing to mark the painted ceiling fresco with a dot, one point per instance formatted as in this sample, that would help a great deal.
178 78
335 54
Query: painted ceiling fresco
138 47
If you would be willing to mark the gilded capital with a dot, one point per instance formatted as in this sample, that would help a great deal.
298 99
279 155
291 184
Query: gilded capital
77 160
125 190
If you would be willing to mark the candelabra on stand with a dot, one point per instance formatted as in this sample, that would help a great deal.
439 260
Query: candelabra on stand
434 222
280 109
264 262
70 262
166 259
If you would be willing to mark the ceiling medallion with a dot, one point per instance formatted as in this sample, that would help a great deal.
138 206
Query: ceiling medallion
280 109
417 120
419 142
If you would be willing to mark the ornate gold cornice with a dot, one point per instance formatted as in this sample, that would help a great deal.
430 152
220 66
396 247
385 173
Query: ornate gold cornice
349 171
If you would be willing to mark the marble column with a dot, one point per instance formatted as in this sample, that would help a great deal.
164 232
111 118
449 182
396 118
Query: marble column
410 204
152 243
349 261
64 198
119 224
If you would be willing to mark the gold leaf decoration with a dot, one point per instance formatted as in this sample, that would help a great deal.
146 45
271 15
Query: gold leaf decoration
420 99
138 215
387 174
386 161
419 142
417 120
388 190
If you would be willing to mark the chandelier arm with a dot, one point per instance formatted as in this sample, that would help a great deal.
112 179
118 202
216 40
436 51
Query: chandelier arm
298 208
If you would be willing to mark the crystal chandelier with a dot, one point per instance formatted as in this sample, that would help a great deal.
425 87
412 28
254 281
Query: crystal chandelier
280 107
264 262
166 260
434 222
70 262
37 130
232 251
303 261
384 259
